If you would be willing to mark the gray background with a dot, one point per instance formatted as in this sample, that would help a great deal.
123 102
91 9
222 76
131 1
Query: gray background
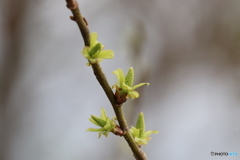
188 50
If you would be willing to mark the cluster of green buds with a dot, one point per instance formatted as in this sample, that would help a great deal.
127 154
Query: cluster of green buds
124 87
107 125
141 136
95 53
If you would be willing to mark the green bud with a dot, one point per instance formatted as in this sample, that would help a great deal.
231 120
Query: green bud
141 124
129 77
95 49
141 136
107 125
124 87
99 121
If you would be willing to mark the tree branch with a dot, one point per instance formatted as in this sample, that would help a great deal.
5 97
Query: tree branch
82 24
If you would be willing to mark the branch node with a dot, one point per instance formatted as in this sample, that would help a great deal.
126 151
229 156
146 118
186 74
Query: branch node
85 20
118 131
119 100
72 18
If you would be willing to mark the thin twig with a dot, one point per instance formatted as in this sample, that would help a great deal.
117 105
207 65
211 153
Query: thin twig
77 17
82 24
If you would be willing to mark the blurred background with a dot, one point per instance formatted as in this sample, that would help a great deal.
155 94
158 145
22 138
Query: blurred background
188 50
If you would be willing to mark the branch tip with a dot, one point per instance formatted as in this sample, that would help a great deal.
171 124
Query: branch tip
72 4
